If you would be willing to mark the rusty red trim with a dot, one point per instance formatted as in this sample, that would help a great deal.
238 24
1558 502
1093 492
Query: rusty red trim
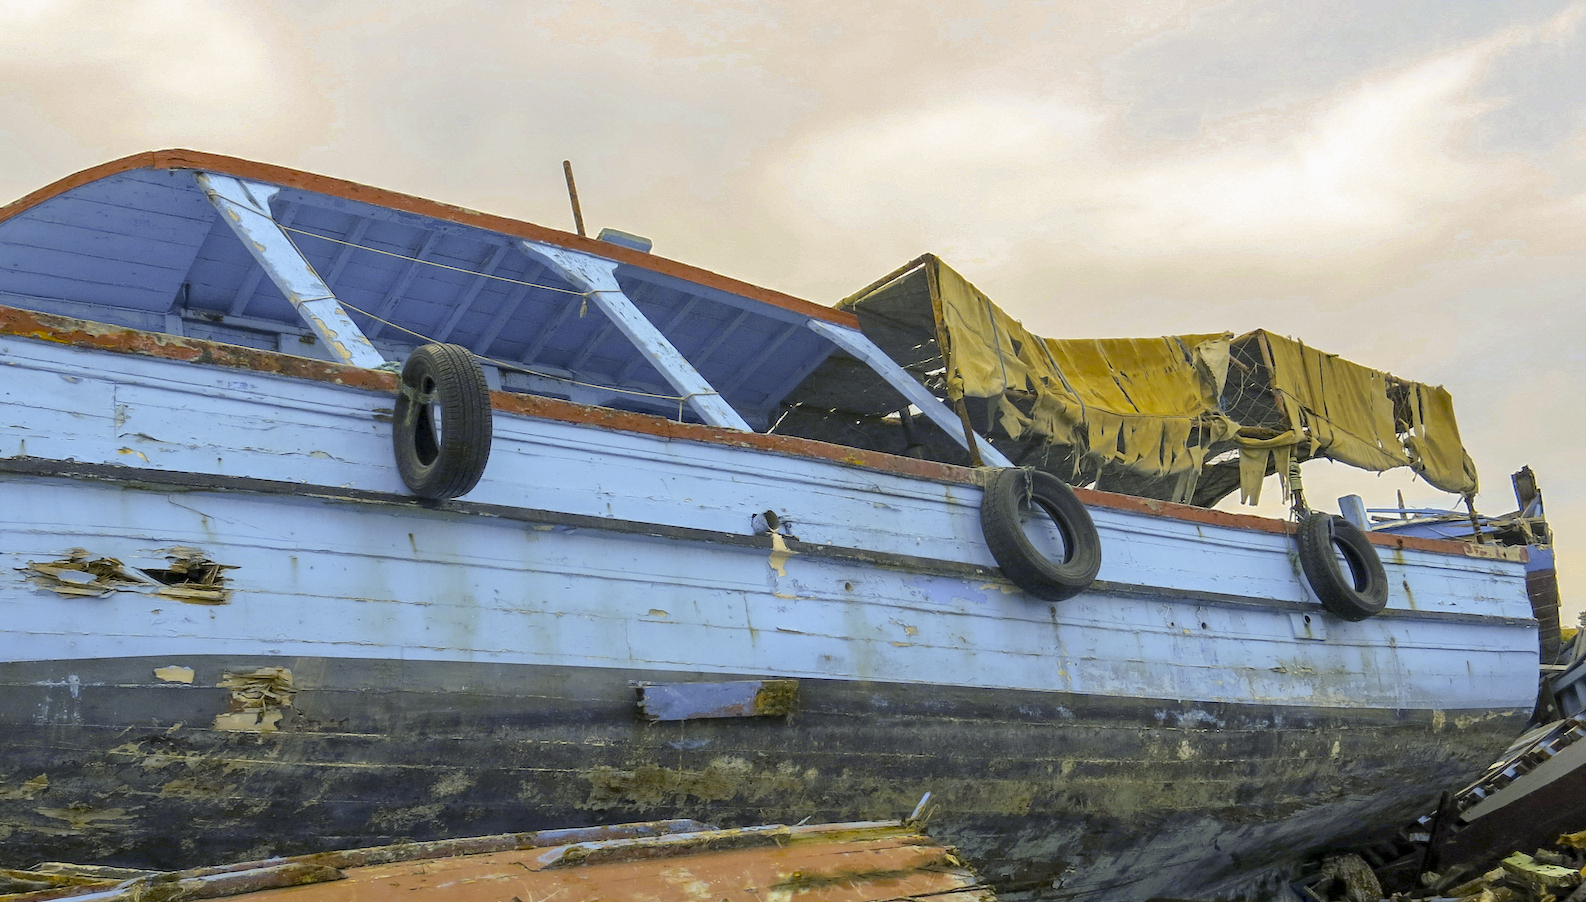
605 418
84 334
1212 517
323 184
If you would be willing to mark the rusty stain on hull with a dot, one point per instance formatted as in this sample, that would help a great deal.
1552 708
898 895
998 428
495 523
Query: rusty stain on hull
736 698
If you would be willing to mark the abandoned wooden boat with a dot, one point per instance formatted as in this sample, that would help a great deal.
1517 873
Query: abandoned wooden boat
337 517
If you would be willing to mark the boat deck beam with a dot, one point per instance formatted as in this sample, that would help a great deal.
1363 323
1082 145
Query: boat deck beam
597 278
854 342
245 207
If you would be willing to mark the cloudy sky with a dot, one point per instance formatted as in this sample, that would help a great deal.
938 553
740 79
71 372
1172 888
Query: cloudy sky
1403 183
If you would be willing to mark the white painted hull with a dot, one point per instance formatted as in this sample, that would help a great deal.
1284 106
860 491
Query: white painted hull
603 551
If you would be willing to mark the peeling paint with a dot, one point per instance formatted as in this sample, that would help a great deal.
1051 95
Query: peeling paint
779 554
174 674
80 817
29 790
453 783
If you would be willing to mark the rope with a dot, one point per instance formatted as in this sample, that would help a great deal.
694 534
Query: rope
468 272
517 368
682 400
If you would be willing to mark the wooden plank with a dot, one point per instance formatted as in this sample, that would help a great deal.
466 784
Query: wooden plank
462 305
353 239
602 334
680 315
794 379
50 286
170 194
86 268
748 369
92 243
590 345
598 277
703 355
567 305
400 286
86 212
503 313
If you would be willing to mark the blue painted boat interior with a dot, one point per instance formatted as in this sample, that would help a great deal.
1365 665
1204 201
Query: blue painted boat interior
146 249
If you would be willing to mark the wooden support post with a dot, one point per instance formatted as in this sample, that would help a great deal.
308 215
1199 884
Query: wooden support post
572 195
245 207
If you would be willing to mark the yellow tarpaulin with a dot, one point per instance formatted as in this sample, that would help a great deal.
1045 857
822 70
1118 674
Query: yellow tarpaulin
1155 406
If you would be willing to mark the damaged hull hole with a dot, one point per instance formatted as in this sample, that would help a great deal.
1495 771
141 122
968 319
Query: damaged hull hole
187 576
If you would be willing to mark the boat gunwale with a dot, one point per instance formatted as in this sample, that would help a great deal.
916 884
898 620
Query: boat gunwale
74 332
286 177
186 481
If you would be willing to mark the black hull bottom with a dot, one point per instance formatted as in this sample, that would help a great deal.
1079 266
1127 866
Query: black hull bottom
1049 795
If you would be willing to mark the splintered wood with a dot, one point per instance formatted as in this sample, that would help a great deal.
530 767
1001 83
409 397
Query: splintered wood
1556 874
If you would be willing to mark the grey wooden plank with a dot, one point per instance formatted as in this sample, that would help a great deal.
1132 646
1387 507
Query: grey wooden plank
86 212
84 268
89 242
169 193
45 285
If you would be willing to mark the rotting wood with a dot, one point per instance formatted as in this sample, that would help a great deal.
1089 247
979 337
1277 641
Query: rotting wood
856 862
1550 875
189 577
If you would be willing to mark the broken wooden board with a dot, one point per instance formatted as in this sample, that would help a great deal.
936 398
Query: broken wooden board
852 862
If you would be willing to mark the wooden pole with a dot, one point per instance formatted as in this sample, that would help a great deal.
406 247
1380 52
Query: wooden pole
572 193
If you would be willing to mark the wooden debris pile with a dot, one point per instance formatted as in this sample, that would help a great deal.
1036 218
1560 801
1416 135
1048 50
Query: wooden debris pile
1553 874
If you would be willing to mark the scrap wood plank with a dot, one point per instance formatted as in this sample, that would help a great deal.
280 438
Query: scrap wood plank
858 862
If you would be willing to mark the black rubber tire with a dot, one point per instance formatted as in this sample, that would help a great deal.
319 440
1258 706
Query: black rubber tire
1356 595
448 463
1007 492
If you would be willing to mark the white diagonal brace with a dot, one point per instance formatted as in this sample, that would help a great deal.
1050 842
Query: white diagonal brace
597 277
854 342
245 206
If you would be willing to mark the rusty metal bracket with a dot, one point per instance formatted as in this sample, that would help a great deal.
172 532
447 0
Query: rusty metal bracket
739 698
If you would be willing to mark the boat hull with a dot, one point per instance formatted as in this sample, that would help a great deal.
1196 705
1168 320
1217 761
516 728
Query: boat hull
1051 794
1189 724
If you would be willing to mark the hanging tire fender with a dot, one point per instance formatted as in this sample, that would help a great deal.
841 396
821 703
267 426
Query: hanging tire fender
1341 566
1010 490
442 427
